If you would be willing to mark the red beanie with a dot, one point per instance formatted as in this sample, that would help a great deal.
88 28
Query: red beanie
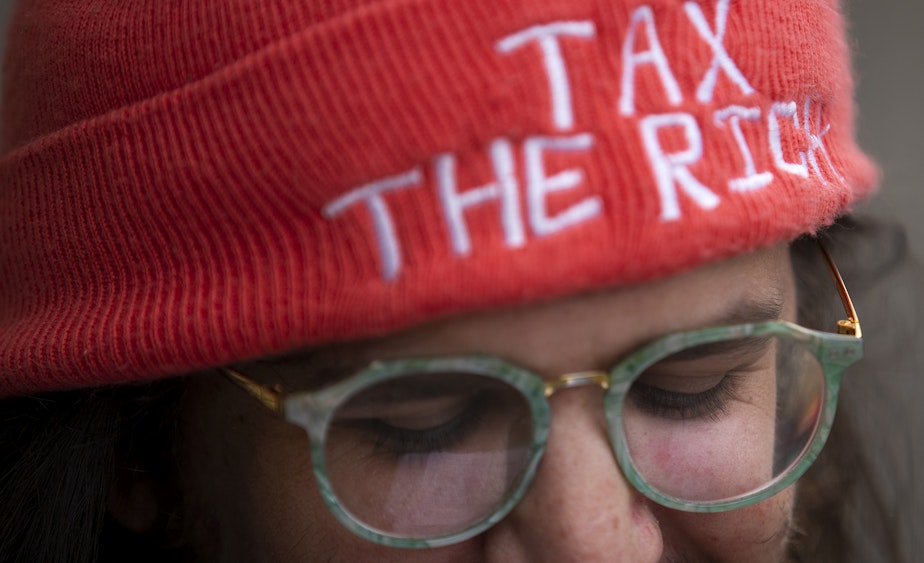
186 184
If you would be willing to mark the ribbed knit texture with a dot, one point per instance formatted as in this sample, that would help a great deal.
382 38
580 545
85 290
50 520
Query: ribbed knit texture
171 173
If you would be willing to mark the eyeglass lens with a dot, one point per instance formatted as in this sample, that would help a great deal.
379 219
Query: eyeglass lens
428 455
725 419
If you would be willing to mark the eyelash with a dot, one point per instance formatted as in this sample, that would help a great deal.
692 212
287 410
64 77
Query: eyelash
391 440
711 404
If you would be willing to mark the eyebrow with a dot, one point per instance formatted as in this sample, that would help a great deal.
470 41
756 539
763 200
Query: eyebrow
423 388
742 347
326 366
315 368
767 308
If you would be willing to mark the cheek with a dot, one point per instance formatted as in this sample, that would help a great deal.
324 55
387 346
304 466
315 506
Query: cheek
251 494
246 476
282 509
757 534
718 462
705 458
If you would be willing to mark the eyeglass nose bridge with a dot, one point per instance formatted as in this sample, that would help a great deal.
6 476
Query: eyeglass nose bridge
577 379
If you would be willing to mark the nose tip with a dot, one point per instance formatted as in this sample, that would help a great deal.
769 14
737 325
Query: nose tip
580 506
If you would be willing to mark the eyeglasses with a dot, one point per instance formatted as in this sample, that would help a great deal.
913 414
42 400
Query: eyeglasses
432 451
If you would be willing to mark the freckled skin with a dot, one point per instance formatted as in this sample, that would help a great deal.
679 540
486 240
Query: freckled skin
250 490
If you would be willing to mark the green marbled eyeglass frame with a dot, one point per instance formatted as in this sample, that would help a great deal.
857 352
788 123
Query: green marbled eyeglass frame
314 411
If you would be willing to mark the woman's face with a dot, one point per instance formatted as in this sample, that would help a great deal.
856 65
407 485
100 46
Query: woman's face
250 494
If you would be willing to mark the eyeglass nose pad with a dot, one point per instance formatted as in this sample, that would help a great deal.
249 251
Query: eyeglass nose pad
576 379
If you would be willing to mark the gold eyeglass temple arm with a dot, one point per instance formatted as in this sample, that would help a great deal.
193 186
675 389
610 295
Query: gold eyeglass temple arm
850 326
271 398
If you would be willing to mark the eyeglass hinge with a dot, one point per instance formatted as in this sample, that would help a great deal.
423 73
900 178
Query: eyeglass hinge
849 328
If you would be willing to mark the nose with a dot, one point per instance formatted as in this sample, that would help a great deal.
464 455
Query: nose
580 506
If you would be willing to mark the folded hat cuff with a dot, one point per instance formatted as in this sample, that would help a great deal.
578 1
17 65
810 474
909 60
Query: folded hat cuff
412 160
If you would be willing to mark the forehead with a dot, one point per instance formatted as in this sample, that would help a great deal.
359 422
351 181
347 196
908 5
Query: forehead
592 331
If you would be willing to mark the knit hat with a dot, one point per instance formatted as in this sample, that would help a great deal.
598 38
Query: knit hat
187 184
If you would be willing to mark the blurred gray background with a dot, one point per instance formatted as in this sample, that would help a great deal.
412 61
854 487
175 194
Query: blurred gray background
889 58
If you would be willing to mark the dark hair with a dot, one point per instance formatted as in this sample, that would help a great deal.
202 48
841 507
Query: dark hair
62 456
855 503
64 453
